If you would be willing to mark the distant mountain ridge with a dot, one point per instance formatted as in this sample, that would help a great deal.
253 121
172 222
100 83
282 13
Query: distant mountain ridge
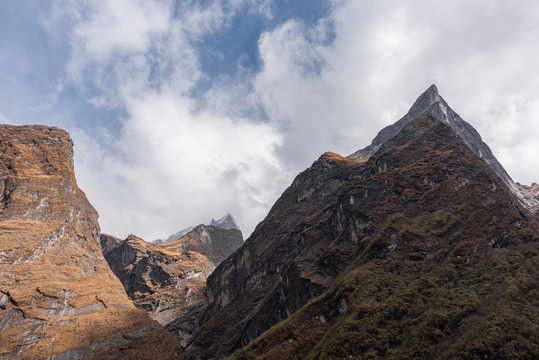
168 281
226 222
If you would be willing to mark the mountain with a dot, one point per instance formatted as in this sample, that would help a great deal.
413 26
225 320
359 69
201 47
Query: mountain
430 102
226 222
531 194
58 297
393 252
168 281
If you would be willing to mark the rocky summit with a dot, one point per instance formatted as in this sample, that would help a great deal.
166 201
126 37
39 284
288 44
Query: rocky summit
226 222
58 297
430 102
418 246
168 281
531 194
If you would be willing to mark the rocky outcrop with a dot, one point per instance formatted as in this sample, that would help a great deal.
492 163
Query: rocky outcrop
413 193
531 195
58 297
168 281
214 242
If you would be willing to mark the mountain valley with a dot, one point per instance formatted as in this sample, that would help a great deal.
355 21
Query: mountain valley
418 246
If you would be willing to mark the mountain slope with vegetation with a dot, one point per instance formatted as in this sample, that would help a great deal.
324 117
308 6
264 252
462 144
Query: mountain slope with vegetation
392 241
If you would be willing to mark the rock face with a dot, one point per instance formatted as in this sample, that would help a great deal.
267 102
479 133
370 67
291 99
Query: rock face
531 194
226 222
418 195
58 297
168 281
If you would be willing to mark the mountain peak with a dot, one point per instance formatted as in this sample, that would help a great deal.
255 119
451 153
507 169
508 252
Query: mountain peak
430 102
226 222
430 94
432 88
425 101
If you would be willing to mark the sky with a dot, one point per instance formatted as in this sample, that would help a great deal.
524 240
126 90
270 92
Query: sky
183 111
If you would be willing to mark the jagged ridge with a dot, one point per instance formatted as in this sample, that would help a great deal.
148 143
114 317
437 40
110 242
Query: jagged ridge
226 222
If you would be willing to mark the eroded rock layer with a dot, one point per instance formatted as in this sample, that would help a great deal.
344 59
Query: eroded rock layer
168 281
58 297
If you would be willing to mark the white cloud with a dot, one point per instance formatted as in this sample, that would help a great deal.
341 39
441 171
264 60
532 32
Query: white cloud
327 86
385 54
171 168
173 164
115 27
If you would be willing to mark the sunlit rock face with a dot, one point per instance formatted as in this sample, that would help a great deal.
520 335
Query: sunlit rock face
168 281
58 296
420 194
531 194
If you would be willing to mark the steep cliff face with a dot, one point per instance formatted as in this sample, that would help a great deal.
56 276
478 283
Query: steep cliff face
450 273
168 281
58 297
419 194
430 102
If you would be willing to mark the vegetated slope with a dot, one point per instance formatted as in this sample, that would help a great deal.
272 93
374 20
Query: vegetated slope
333 216
58 297
450 273
168 281
487 309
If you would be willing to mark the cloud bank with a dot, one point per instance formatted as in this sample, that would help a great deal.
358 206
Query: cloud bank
190 146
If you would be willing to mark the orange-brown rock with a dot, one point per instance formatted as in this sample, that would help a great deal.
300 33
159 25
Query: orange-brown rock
168 281
58 297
